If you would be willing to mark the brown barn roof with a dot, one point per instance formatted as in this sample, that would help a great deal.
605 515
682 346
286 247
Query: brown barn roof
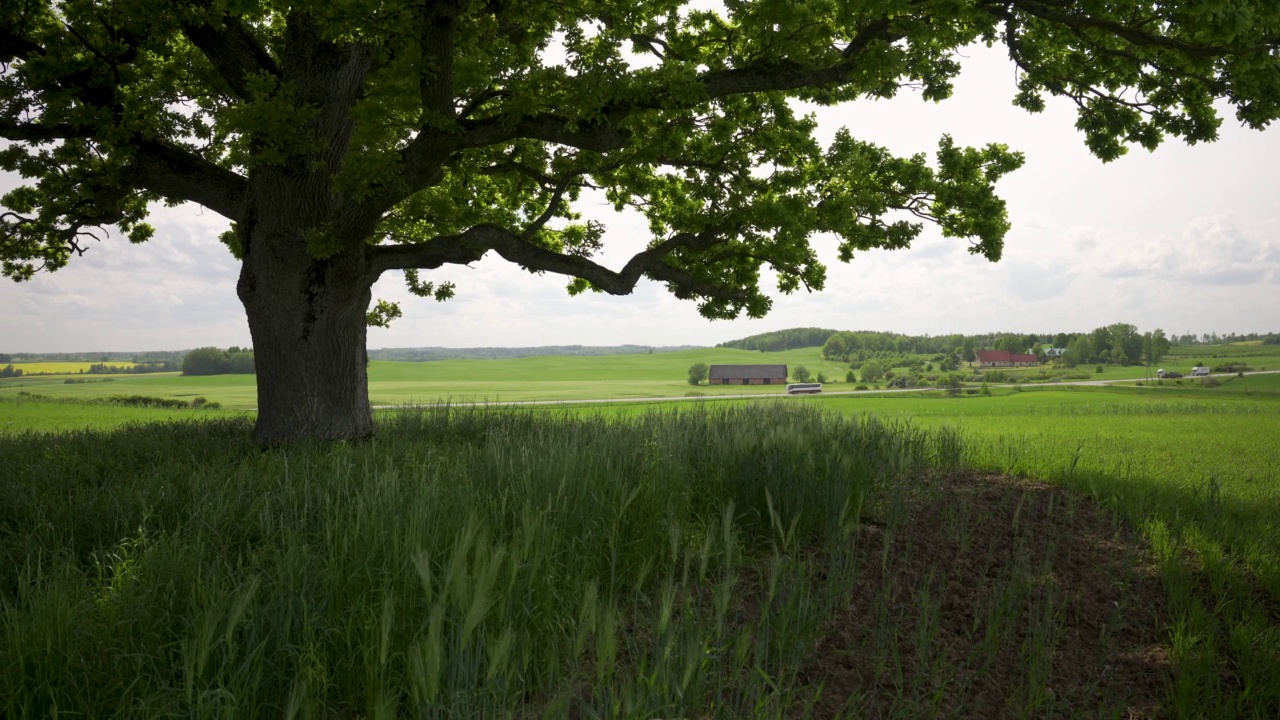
746 372
994 356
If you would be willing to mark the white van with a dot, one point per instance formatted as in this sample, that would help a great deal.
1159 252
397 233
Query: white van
1201 371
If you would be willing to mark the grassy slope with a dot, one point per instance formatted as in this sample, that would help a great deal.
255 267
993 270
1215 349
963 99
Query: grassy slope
18 415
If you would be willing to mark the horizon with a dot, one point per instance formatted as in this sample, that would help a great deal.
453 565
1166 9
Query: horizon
1222 340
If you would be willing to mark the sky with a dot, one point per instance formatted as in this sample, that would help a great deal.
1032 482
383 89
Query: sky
1186 239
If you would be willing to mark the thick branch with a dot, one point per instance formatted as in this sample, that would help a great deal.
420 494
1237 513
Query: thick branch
179 175
232 50
473 244
438 40
39 132
15 47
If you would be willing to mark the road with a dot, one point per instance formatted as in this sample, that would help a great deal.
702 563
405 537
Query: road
745 396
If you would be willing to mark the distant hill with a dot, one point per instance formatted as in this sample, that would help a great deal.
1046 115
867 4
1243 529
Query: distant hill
425 354
788 339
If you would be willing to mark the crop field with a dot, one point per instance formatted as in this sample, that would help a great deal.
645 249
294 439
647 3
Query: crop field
64 368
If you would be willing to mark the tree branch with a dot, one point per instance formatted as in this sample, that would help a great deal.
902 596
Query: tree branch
39 132
232 50
473 244
179 175
15 47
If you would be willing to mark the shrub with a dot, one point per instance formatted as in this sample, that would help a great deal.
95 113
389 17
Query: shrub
698 373
860 386
1098 369
850 377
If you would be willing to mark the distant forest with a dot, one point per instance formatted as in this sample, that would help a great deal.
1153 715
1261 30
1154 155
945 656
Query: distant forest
424 354
793 338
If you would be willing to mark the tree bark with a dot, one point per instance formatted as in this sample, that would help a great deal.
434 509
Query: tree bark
307 319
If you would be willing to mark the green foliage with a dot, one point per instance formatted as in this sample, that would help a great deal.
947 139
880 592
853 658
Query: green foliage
698 373
449 125
215 361
789 339
800 373
872 371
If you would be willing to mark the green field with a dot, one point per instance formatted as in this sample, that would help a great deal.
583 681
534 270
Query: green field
509 380
1195 469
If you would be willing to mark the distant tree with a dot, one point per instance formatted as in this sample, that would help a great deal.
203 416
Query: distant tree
10 371
1060 340
1126 344
1154 346
801 374
1012 343
205 361
872 371
698 373
4 358
821 378
849 377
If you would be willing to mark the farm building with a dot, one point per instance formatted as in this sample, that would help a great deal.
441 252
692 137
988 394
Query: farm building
1004 358
748 375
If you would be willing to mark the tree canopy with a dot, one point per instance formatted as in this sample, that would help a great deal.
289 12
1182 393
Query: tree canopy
343 139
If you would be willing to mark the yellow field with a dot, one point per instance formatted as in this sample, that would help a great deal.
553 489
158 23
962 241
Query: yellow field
64 368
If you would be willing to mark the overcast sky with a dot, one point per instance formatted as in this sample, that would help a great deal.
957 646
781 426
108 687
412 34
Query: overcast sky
1186 239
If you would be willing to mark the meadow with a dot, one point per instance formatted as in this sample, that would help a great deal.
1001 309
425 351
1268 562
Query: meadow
656 375
924 555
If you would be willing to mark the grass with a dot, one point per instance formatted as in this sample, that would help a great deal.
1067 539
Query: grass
540 378
649 562
628 562
465 563
19 414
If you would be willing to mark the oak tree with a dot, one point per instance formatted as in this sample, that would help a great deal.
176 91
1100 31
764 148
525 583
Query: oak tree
344 139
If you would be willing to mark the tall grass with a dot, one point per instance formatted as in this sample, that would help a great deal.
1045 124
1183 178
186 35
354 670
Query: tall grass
466 563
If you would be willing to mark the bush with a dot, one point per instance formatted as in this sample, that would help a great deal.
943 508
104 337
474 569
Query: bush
850 377
860 387
1098 369
698 373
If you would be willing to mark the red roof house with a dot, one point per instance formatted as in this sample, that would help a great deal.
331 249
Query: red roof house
1004 358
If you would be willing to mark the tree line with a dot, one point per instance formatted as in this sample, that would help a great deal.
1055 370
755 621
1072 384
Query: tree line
216 361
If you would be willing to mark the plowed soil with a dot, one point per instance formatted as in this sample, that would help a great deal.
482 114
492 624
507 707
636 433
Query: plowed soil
993 597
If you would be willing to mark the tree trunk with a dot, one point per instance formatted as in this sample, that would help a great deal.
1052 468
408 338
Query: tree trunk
307 320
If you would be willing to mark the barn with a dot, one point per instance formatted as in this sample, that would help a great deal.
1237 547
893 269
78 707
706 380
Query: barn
1004 358
748 375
